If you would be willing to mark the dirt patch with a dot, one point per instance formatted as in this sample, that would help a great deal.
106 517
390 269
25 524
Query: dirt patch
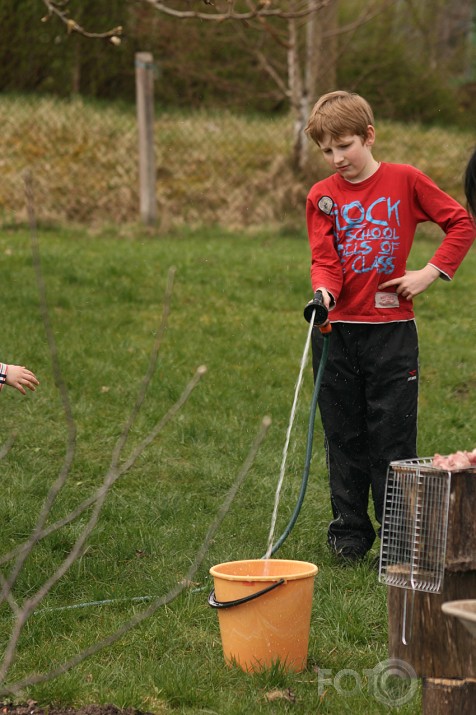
32 708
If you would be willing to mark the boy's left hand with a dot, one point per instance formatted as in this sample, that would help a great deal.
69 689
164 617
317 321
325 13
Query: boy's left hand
413 282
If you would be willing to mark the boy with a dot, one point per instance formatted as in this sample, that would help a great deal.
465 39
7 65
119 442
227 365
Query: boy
18 377
361 223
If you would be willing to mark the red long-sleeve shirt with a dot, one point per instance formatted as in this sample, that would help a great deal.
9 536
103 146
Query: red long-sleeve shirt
361 235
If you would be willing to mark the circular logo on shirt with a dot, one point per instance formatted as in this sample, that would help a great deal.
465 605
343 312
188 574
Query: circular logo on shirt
326 204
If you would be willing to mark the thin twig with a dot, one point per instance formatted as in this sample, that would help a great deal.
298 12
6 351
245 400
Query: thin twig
258 10
111 477
55 7
56 487
91 500
13 688
9 597
114 472
39 532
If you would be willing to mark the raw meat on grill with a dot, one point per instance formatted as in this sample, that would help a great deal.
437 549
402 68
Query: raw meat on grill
457 460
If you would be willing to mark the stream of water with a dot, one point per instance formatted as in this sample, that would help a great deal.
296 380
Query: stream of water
287 440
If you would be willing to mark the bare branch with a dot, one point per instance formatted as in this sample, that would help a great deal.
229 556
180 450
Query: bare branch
261 9
269 29
13 688
111 477
40 532
368 13
90 501
114 472
7 584
216 12
8 597
269 69
56 7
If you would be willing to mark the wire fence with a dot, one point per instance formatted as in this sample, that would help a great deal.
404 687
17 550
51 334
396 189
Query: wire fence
212 168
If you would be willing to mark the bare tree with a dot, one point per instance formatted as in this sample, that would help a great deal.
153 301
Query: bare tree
118 467
305 30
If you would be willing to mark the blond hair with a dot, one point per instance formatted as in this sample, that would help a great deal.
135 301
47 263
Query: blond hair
339 114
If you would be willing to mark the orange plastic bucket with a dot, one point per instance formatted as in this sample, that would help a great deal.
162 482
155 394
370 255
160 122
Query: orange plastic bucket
264 611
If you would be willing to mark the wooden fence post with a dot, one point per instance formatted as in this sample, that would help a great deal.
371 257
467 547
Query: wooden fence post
144 66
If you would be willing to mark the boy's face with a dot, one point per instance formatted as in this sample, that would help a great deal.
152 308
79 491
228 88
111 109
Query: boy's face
350 156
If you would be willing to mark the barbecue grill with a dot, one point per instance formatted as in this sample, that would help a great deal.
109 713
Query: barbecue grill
414 528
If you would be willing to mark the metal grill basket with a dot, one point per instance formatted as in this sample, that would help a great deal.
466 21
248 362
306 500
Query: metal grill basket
415 525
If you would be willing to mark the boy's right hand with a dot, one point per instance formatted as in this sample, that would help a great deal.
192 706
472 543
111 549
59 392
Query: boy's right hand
20 377
326 298
317 309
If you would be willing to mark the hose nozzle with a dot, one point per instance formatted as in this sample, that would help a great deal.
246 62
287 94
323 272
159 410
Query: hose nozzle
317 308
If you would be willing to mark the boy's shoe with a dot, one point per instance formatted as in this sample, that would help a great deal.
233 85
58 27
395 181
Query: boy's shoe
352 555
349 555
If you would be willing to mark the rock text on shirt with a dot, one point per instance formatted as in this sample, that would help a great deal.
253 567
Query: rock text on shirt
367 238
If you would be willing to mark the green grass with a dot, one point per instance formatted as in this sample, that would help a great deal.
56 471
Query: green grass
237 308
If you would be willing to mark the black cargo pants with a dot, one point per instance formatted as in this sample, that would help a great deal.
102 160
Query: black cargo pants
368 403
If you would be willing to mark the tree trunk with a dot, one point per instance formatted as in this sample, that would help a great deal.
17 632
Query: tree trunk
320 61
297 96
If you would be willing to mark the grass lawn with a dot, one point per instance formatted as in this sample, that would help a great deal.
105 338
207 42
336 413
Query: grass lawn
236 308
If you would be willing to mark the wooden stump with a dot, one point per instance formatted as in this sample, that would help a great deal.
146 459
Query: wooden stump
461 538
442 696
439 648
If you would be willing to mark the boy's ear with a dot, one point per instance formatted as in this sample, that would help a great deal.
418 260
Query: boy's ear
370 135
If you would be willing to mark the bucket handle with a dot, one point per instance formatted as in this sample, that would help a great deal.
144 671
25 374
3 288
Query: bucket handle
228 604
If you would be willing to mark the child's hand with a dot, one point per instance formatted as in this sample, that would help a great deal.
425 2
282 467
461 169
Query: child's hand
19 378
413 282
326 297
